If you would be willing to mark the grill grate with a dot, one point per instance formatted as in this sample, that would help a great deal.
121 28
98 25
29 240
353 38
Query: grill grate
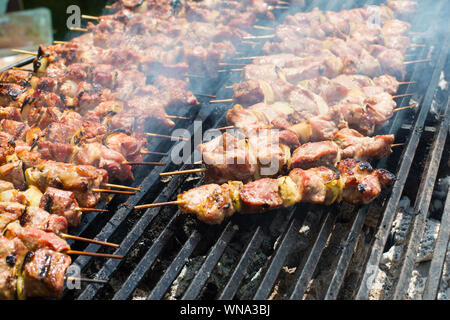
159 242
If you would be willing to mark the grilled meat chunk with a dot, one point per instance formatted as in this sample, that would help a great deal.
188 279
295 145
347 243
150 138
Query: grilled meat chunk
355 145
80 179
13 172
61 203
211 203
316 185
261 195
362 184
315 154
35 238
12 256
100 156
44 273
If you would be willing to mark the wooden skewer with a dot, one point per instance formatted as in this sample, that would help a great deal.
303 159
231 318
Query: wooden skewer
205 95
175 173
22 69
416 61
78 29
283 2
263 28
247 58
113 191
177 117
403 108
31 53
220 101
397 145
225 128
91 210
154 205
268 36
94 254
103 243
166 136
228 70
406 82
402 95
85 280
119 186
108 7
143 151
249 42
85 16
144 163
60 42
231 64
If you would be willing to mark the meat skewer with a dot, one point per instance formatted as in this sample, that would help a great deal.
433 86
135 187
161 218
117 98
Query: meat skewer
353 181
38 229
25 273
266 155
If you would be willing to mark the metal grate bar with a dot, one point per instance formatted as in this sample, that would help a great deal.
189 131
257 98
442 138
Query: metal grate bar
145 263
439 254
130 239
241 269
421 207
347 252
351 241
314 256
383 232
175 267
123 211
277 262
211 260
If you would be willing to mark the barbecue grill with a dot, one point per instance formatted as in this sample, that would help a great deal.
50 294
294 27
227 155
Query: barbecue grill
305 252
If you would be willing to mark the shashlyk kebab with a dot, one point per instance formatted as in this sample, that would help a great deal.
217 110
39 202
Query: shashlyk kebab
353 181
68 137
313 119
374 24
57 202
331 90
25 274
85 87
378 61
28 265
267 153
216 10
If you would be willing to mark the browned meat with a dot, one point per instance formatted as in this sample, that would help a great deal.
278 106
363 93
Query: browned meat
248 92
61 203
355 145
80 179
261 195
315 154
13 172
5 185
362 184
127 145
44 273
313 184
99 156
228 158
12 256
42 220
211 203
35 238
61 152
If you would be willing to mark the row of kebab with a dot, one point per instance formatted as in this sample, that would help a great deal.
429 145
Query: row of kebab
79 120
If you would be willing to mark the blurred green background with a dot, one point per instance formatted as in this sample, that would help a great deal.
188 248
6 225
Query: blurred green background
58 9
